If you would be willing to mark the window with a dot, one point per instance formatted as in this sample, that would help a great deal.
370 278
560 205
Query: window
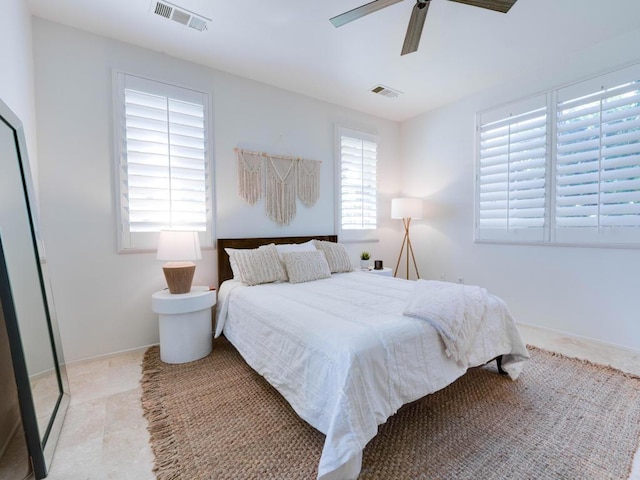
563 167
358 184
512 172
163 161
597 192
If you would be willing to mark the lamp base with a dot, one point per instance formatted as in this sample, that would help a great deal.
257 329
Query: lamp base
179 276
407 241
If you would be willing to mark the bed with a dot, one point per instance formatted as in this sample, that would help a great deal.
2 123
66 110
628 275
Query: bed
343 354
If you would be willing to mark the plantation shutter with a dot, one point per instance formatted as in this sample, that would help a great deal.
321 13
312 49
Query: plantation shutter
358 184
511 172
598 160
164 162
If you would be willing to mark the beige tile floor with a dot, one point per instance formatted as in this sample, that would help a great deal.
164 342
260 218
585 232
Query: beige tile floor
105 434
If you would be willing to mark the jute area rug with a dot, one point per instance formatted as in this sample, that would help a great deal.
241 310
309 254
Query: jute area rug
562 419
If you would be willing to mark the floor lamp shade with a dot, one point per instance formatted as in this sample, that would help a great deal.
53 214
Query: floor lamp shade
179 248
406 209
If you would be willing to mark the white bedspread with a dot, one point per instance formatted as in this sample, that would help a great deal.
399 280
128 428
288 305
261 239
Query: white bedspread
342 354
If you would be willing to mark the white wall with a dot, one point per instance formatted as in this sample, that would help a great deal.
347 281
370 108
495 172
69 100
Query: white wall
590 292
103 298
16 69
15 79
17 91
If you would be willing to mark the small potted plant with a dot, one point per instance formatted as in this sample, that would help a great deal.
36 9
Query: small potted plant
364 260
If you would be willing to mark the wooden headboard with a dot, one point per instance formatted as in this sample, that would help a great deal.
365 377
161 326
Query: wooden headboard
224 268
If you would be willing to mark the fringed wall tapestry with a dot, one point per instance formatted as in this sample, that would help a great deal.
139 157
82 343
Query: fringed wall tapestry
280 180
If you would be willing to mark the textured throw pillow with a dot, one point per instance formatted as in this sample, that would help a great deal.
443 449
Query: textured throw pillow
294 247
337 256
306 266
257 265
233 263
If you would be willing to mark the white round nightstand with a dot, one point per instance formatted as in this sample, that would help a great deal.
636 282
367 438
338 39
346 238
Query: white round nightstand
185 324
386 272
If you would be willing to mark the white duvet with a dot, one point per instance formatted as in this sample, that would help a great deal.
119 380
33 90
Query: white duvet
343 355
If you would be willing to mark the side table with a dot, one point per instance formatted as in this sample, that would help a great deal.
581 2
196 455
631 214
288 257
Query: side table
386 271
185 324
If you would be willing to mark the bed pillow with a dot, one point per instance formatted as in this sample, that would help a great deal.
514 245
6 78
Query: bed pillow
256 265
337 256
306 266
237 275
233 263
295 247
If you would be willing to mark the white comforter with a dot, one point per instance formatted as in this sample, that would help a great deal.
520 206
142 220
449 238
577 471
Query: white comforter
342 354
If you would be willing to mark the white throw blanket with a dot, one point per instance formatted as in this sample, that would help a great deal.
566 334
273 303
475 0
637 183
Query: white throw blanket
456 311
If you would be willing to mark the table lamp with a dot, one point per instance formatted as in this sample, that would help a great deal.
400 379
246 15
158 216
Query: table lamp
406 209
179 248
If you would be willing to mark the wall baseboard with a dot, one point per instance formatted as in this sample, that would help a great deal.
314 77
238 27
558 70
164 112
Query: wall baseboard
572 345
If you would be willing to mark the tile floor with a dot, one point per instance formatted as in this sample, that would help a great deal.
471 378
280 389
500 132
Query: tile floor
105 437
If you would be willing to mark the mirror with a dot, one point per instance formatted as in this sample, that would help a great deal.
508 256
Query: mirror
38 336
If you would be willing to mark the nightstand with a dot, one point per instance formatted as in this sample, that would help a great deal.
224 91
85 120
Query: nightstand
385 272
185 324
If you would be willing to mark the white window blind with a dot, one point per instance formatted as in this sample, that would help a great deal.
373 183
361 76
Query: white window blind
358 183
598 164
570 171
512 174
164 178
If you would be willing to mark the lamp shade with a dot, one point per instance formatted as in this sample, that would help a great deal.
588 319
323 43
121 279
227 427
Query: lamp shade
406 208
178 246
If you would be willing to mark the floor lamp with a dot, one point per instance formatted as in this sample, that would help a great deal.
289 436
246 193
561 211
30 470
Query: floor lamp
406 209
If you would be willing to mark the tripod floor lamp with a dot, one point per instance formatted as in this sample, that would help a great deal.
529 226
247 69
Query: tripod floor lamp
406 209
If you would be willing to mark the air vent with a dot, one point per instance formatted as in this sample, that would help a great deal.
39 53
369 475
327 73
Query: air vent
180 15
163 10
385 91
198 23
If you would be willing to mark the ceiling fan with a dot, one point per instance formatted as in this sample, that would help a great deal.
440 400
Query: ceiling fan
418 16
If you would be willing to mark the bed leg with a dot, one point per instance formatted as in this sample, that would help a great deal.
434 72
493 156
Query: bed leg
500 369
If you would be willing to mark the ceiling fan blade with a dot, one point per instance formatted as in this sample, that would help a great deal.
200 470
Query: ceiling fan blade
496 5
414 31
360 12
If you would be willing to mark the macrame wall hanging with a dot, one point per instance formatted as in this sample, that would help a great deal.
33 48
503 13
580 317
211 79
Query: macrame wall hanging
280 180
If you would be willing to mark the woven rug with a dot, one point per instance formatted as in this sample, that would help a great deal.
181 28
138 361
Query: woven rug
562 419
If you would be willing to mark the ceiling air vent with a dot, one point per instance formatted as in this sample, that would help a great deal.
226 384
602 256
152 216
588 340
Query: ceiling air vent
163 10
180 15
385 91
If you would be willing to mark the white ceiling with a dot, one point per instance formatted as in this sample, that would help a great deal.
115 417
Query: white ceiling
291 43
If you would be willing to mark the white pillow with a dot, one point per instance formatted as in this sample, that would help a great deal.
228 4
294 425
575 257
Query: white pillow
337 256
306 266
295 247
257 265
233 263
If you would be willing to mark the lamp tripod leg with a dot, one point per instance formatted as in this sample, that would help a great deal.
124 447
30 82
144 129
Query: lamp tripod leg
407 222
415 265
395 272
407 240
